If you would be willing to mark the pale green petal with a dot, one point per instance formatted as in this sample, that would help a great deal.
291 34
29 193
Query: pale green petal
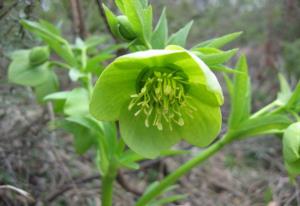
201 93
156 58
148 142
201 129
118 80
199 74
113 89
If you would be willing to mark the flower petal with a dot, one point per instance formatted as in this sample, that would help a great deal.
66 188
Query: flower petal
201 129
201 76
113 89
201 93
146 141
118 80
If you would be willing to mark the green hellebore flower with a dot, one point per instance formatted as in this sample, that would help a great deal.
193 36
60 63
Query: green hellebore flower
291 149
38 56
159 98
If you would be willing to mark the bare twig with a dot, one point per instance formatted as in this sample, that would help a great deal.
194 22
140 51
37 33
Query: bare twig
67 187
1 4
10 7
77 18
27 195
121 180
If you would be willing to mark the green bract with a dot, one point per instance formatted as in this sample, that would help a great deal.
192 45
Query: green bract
291 149
125 28
159 97
22 71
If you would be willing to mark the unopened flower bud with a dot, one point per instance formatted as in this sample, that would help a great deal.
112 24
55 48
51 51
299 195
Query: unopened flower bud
38 55
125 28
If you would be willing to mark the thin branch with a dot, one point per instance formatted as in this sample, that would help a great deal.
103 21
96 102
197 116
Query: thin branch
10 7
102 13
77 18
53 196
121 180
67 187
27 195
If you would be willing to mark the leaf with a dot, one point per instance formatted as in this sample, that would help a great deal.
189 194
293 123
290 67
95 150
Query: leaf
94 41
134 12
263 125
220 41
94 63
56 42
50 27
144 3
75 75
160 34
21 72
47 87
229 85
89 122
42 30
58 99
215 58
285 91
128 159
165 200
222 68
84 138
120 5
57 96
180 37
77 102
291 143
294 101
241 99
112 21
110 134
291 149
147 23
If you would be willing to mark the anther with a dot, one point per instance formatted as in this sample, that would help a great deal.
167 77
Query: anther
163 96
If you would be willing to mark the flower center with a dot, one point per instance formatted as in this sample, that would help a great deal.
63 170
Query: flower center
161 97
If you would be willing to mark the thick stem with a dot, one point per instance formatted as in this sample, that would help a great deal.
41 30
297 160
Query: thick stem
183 169
107 190
108 185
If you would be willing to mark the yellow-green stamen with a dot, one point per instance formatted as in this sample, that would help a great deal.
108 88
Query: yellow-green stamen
161 99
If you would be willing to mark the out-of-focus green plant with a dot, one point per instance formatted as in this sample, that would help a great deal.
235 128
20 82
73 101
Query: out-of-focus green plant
291 149
291 54
159 94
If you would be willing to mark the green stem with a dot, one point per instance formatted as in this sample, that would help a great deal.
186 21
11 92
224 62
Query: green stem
60 64
107 187
264 109
183 169
148 45
90 84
